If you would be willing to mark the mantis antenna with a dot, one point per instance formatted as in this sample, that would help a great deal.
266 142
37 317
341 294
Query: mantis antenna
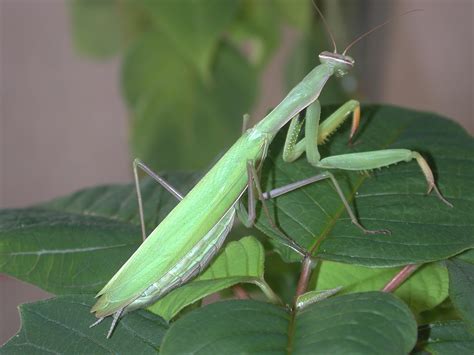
325 25
376 28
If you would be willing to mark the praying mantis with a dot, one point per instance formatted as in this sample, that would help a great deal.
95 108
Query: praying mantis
184 243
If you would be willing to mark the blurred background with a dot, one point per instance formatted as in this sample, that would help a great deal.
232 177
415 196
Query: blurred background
87 85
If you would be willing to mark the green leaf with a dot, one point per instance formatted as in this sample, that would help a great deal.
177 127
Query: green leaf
76 243
61 325
63 253
423 228
194 28
467 256
297 13
241 261
358 323
175 111
443 312
424 290
446 338
461 288
96 27
257 29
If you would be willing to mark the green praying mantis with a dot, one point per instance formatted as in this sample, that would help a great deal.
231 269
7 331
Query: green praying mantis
184 243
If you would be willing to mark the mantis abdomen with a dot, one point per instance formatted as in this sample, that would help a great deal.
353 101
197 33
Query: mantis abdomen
191 265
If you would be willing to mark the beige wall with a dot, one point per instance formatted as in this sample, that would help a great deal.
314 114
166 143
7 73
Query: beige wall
438 45
62 122
63 125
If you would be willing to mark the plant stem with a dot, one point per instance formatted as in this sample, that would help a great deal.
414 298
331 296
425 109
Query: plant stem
304 276
240 293
300 289
399 278
267 290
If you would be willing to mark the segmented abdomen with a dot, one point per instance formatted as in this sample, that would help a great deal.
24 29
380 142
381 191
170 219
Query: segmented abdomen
189 266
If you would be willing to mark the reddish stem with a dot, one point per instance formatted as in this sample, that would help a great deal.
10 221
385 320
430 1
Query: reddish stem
399 278
240 293
304 276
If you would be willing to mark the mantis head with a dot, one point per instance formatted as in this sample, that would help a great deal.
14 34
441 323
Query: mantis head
340 62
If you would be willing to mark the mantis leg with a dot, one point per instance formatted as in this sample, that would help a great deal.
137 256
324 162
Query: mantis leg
137 163
325 175
381 158
248 219
115 319
254 182
315 133
114 322
354 161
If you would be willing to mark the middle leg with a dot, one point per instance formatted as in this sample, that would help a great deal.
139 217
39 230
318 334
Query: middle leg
323 176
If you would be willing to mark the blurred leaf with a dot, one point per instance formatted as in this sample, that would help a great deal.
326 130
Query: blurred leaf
61 325
424 290
423 228
96 27
297 13
194 27
257 30
358 323
446 338
175 112
241 261
461 288
76 243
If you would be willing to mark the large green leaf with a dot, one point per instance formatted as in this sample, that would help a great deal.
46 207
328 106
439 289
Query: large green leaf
359 323
423 228
194 27
61 326
75 244
175 111
241 261
446 338
424 290
461 288
63 253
